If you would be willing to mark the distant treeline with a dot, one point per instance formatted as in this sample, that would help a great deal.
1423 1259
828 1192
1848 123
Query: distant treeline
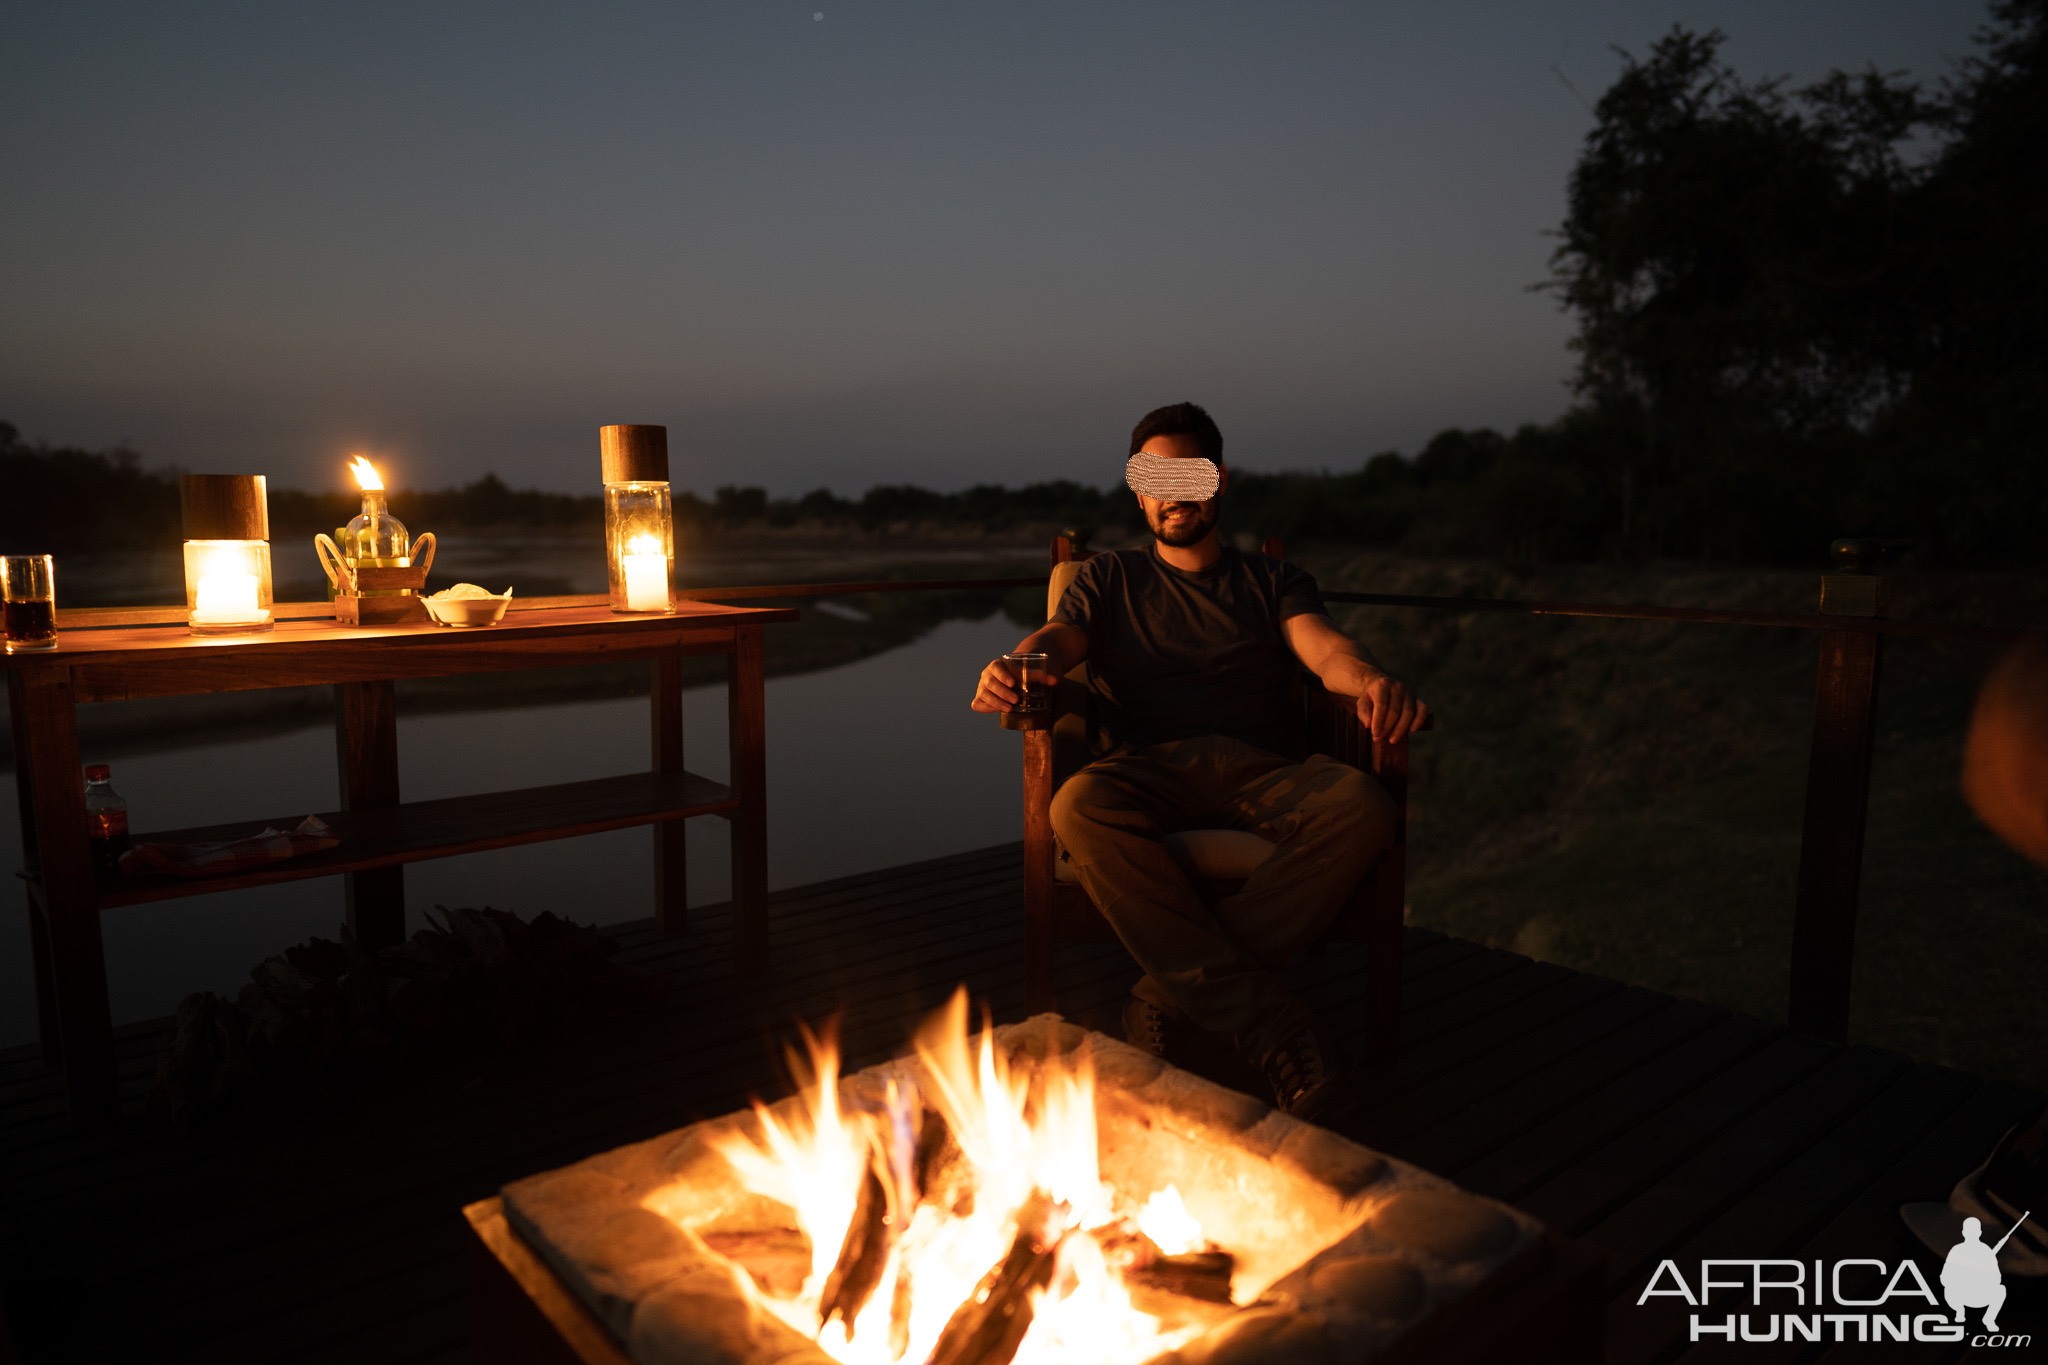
1539 495
63 498
1466 492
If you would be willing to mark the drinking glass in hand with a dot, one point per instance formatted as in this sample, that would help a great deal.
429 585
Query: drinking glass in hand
28 603
1033 675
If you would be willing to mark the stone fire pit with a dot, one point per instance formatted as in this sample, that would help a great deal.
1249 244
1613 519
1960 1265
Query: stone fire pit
1336 1253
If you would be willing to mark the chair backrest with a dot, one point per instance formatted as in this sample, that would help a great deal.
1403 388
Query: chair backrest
1063 576
1073 730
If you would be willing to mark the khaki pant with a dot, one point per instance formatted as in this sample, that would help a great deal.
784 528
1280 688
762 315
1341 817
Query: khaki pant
1216 965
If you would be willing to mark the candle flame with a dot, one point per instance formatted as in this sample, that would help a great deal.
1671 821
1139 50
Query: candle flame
367 477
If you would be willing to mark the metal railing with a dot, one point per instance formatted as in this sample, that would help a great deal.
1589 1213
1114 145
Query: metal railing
1838 771
1838 766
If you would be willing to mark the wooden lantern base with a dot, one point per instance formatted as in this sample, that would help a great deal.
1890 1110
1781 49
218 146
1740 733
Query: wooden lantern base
352 608
380 611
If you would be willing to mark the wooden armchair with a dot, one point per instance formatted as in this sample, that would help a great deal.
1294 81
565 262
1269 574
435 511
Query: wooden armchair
1057 910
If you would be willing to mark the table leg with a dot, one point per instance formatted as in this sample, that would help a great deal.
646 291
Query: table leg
366 745
49 1033
749 740
671 853
43 700
49 1019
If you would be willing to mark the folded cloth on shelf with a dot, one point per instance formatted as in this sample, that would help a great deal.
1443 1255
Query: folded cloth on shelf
235 855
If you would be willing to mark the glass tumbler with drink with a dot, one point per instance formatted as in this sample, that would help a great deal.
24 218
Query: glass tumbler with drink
28 603
1032 674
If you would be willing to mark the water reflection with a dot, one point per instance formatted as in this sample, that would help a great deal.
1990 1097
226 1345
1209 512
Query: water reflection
870 765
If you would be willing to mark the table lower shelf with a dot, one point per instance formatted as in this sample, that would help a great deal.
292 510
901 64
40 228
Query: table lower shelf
419 830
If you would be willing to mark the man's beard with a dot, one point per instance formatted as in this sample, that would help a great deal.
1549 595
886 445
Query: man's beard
1189 531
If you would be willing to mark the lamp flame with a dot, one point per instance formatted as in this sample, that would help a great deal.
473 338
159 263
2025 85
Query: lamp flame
367 477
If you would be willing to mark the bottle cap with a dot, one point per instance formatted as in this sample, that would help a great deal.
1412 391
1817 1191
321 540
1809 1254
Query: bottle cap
98 772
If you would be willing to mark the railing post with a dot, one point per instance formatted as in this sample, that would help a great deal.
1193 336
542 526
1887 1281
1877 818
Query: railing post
366 744
1837 805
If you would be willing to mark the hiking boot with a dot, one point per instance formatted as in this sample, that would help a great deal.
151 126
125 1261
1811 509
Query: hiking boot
1160 1032
2005 1194
1307 1077
2012 1183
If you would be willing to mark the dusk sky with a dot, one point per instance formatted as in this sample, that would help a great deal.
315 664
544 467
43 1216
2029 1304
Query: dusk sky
826 243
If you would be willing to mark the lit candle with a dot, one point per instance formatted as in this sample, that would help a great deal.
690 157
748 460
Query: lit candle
646 575
227 599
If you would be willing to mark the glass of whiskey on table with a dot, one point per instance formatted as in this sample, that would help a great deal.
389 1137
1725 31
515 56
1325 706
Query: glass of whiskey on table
28 603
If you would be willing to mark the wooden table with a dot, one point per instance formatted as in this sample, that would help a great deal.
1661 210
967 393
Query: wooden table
379 834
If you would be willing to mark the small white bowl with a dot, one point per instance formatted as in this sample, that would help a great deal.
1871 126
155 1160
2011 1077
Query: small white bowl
468 611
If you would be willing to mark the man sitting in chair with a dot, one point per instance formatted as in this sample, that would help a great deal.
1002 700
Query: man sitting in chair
1191 646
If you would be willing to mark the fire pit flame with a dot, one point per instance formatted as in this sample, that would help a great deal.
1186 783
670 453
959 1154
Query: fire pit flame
963 1218
1166 1220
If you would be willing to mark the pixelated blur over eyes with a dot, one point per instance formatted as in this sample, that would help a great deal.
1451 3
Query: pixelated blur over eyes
1172 480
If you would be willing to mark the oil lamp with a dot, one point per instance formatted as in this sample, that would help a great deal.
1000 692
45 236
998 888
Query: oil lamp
376 571
639 523
375 538
227 553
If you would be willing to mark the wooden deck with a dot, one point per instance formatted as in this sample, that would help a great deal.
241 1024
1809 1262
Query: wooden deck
1647 1126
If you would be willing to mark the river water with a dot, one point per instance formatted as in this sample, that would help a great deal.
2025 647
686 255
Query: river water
870 765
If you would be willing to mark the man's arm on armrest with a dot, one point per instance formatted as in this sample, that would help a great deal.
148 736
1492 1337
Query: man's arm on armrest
1063 645
1385 705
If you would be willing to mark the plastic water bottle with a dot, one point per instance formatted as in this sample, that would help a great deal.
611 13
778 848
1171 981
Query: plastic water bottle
106 819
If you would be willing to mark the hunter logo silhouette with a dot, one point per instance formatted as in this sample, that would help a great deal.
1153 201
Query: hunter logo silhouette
1970 1277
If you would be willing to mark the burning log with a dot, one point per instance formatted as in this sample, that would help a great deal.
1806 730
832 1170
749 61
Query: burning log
990 1326
1188 1289
1197 1275
777 1259
941 1174
862 1256
933 1140
916 1139
899 1314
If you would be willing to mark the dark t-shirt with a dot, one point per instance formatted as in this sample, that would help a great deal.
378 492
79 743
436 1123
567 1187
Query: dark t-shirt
1173 654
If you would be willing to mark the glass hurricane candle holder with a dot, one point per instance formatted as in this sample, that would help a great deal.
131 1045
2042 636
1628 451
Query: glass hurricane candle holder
639 519
227 586
227 553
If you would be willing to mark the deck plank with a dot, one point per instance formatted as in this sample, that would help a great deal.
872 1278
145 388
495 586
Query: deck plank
1543 1092
1577 1198
1636 1121
1699 1189
1780 1213
1546 1150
